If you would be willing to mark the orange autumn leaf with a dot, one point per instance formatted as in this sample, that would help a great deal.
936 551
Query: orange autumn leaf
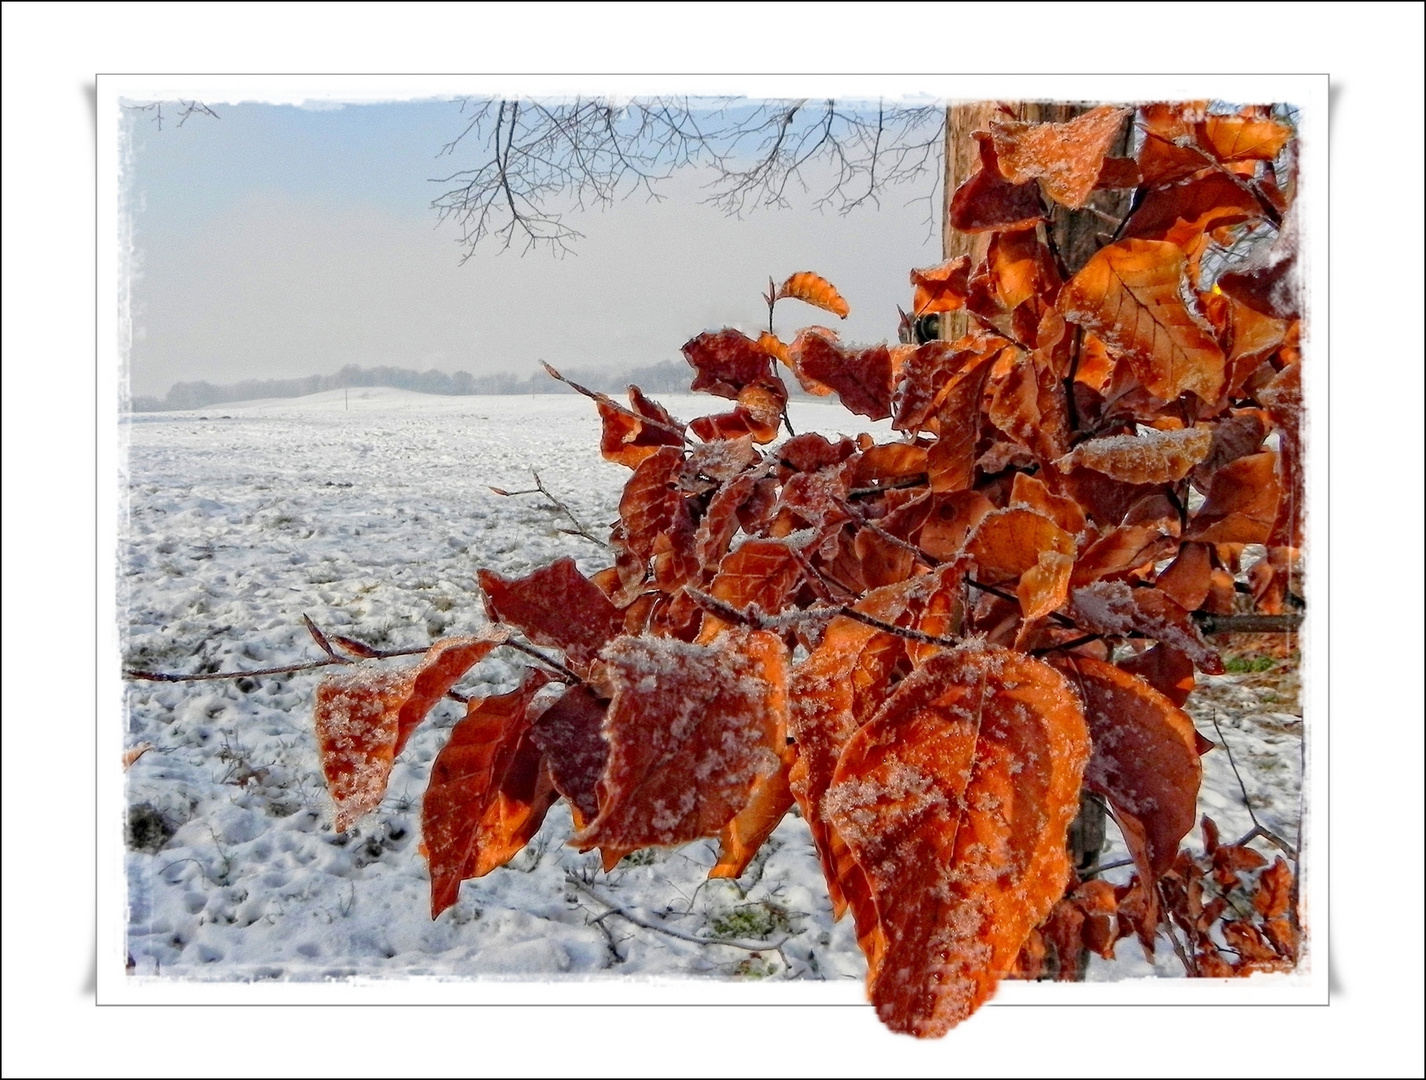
1154 457
692 731
941 288
815 290
651 504
1128 294
954 802
726 361
950 461
952 517
1242 503
556 605
1273 895
1034 494
488 793
758 571
1146 759
1243 137
1066 157
1023 267
1120 550
741 838
627 438
363 717
1184 212
1008 542
1044 586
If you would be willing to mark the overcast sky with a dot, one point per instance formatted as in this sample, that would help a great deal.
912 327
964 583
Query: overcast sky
279 241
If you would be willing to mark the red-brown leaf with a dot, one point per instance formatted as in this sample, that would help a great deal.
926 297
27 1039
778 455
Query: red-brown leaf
364 716
952 517
989 201
569 734
488 793
1189 578
1114 609
954 801
692 730
1128 294
1067 157
727 361
761 572
862 378
1182 212
652 504
1145 755
556 605
1242 503
1006 543
628 439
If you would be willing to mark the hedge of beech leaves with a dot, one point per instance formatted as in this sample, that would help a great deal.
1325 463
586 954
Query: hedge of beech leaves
930 646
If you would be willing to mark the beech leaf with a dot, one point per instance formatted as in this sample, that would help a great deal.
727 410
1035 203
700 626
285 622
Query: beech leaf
816 290
556 605
1066 157
1128 294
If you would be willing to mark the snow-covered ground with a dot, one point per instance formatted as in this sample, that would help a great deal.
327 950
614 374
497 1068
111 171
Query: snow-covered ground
370 512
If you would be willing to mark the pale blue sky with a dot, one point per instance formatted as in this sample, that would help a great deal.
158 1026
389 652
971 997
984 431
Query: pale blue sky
278 241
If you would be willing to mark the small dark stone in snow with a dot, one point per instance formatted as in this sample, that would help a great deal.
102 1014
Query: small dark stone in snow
149 829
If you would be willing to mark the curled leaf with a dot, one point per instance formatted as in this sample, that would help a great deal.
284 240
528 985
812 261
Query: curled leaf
1066 157
815 290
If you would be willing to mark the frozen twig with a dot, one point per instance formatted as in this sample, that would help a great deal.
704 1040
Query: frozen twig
540 489
627 915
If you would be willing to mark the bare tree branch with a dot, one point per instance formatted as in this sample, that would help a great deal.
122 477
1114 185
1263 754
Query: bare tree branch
537 161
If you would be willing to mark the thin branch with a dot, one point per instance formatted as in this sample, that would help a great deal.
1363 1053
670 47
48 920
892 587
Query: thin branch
606 400
540 489
627 915
1258 828
1248 624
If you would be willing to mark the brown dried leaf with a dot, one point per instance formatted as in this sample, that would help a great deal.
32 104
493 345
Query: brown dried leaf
1242 503
364 716
556 605
862 378
1128 294
1154 457
1189 578
941 288
988 201
1045 586
569 734
627 439
954 801
1008 542
727 361
488 793
1145 758
1114 609
692 730
1066 157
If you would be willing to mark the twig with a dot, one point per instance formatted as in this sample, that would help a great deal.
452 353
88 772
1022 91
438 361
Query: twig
539 488
628 916
548 661
1258 828
605 399
1248 624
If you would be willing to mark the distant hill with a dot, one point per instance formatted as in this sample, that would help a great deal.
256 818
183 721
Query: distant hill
669 377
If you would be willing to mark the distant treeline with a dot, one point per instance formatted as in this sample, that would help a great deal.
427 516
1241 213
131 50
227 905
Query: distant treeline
669 377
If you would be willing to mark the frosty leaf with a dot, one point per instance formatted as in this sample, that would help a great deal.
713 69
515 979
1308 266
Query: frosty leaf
1022 266
954 801
724 460
364 716
556 605
1006 543
488 793
1028 405
815 290
1114 609
888 462
1066 157
1242 503
940 288
937 368
626 439
1128 294
860 377
1166 669
1145 758
720 521
951 458
1273 896
988 201
569 734
1236 435
741 838
692 730
812 452
1153 457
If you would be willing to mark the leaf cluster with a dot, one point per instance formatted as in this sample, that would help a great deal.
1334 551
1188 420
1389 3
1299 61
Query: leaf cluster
931 646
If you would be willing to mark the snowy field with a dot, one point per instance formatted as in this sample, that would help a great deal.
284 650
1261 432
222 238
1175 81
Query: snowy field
371 513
